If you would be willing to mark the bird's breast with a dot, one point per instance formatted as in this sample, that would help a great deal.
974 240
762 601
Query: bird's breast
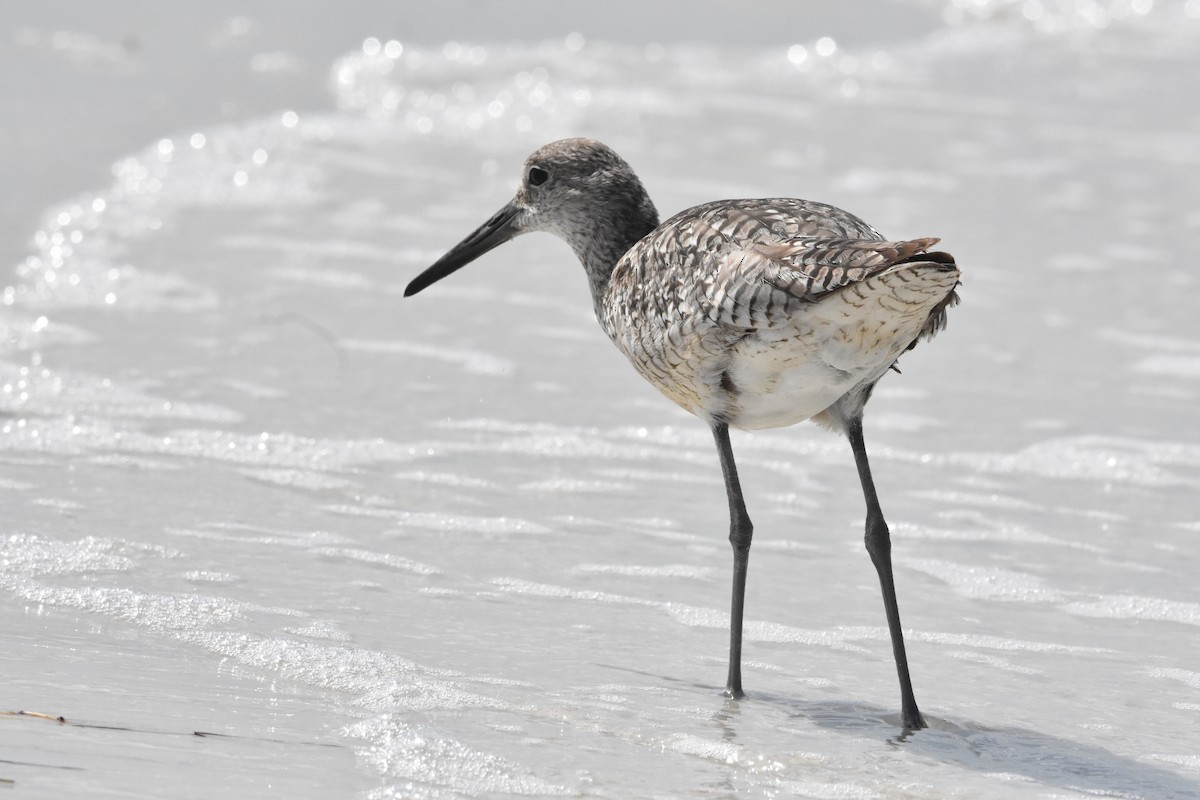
749 380
777 376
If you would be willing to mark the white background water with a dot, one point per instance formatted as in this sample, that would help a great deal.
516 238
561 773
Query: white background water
452 546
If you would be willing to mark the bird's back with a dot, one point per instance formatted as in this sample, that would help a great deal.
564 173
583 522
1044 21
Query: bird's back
761 313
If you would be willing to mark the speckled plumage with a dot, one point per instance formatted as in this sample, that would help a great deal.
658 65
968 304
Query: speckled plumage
763 313
747 313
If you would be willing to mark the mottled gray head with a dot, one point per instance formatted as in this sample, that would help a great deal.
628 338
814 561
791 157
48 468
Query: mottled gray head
577 189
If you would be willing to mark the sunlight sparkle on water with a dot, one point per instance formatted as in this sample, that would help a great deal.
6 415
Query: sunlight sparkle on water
454 543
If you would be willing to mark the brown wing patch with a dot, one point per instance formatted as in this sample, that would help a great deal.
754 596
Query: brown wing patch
809 267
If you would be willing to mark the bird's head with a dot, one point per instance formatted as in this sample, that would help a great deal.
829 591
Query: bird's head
579 190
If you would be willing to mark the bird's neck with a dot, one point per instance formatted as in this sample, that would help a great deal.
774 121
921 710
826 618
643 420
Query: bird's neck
599 246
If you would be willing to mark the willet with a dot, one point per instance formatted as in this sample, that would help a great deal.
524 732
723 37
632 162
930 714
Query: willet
747 313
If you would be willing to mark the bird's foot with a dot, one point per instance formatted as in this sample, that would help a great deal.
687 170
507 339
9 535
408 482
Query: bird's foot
912 719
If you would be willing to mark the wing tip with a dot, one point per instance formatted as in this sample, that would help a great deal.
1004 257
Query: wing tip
915 250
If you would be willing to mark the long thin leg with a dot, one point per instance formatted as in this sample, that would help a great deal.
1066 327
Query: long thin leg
741 530
879 545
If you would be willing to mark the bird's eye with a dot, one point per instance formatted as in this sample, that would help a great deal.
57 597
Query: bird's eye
538 176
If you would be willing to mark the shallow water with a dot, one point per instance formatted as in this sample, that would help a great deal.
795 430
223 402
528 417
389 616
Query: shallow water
452 546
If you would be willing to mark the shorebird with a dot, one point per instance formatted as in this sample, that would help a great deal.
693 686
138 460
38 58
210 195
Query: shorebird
747 313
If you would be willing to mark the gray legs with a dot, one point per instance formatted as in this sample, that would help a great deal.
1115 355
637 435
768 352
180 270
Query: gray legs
879 545
741 530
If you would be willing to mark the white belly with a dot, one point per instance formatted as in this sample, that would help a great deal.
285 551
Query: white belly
778 383
776 376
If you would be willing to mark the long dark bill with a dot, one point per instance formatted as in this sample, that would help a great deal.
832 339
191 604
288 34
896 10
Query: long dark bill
491 234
